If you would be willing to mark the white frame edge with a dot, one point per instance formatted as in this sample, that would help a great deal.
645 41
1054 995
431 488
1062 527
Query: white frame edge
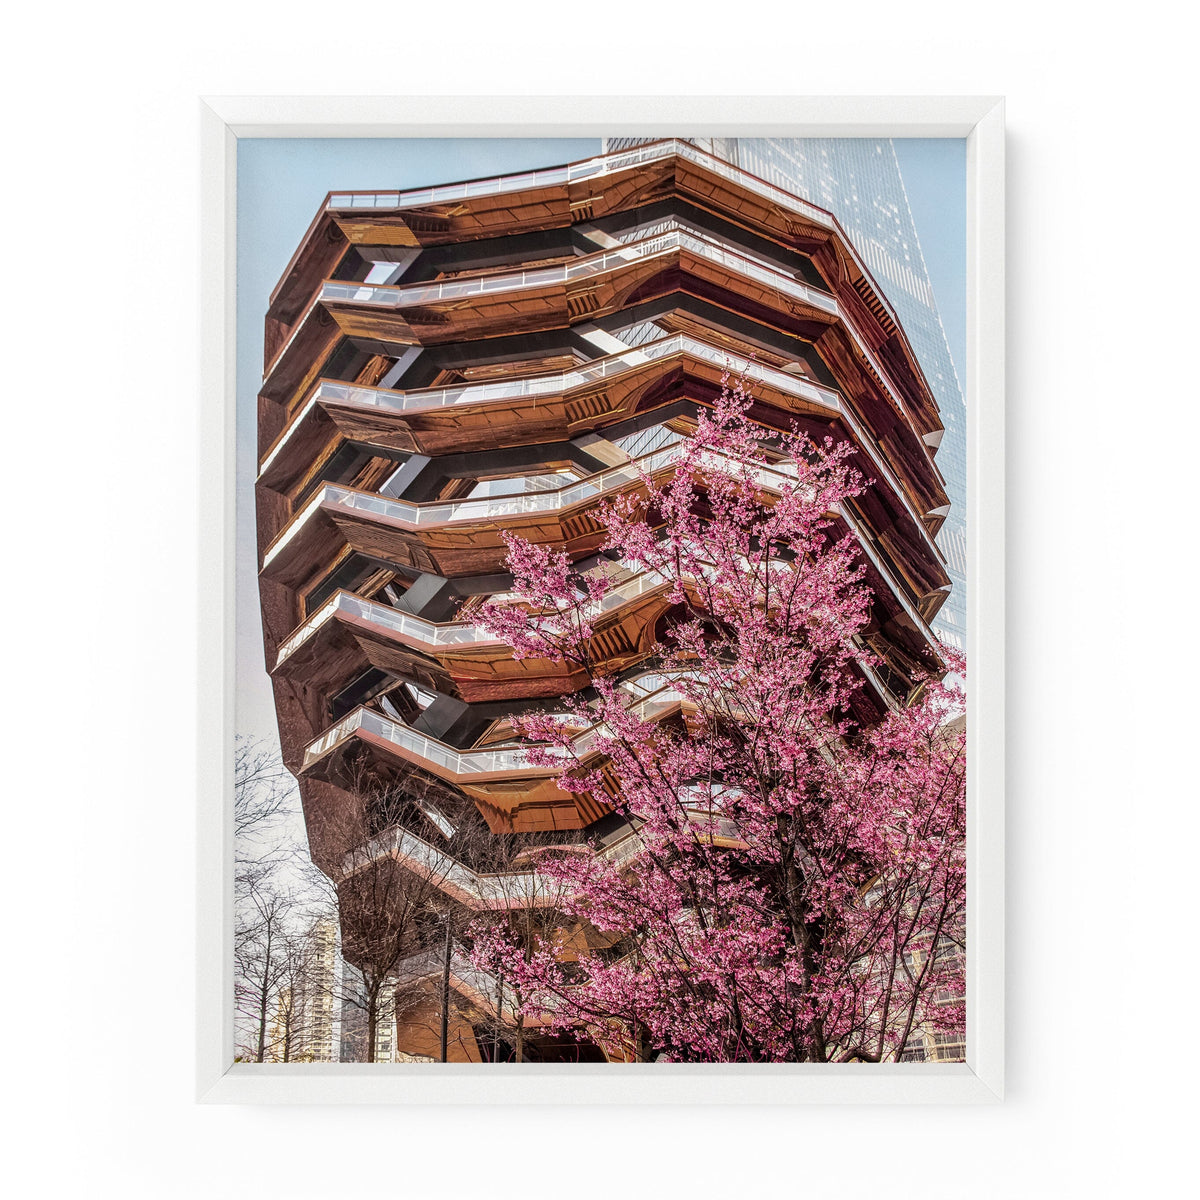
978 119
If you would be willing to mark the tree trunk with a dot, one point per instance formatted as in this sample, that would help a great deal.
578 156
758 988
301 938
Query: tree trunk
262 1025
641 1043
372 1024
446 991
499 1016
262 1003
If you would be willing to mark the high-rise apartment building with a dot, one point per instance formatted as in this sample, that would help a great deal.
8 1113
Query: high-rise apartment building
448 365
306 1021
859 181
319 987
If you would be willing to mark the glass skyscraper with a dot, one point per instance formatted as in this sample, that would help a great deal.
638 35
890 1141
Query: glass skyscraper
859 181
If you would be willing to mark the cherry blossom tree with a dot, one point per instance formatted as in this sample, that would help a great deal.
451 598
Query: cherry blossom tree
793 886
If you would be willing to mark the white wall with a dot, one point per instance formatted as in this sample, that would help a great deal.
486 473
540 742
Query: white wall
101 236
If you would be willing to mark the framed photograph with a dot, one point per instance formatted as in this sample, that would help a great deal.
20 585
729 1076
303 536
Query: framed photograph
602 650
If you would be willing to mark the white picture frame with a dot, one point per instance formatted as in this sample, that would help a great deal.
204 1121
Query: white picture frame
978 119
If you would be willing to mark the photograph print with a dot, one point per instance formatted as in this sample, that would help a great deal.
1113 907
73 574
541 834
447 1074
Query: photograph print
602 657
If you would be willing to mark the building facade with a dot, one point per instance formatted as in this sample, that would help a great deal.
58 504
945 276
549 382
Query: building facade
319 987
306 1018
449 365
859 181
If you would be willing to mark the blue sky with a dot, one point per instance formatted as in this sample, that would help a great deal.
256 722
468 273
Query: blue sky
935 178
281 184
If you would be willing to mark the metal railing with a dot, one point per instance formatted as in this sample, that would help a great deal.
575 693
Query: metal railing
337 496
645 706
354 395
598 167
440 634
357 396
609 164
591 168
526 888
510 889
444 634
405 295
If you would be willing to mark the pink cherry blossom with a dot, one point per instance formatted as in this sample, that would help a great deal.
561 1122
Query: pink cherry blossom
792 888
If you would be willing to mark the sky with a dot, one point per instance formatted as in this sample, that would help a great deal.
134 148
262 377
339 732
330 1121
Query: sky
280 187
281 184
935 178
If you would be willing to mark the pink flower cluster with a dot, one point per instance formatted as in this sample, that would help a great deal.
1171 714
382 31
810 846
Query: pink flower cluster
797 890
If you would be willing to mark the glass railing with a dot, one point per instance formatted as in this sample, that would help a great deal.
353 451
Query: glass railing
450 633
403 295
596 167
556 383
773 479
518 888
354 395
478 762
717 826
485 889
514 485
428 633
677 224
526 888
593 168
458 633
616 364
333 495
380 296
606 164
447 193
548 500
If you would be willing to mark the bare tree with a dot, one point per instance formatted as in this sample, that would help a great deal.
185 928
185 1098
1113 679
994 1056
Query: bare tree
303 1028
416 872
263 787
264 949
391 894
276 904
524 912
420 871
